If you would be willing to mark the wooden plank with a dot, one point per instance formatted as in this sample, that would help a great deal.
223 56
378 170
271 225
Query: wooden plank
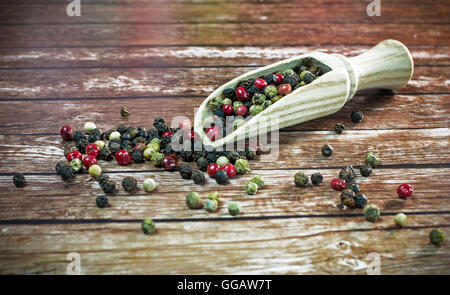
223 34
189 56
304 12
297 149
283 246
425 111
48 197
142 82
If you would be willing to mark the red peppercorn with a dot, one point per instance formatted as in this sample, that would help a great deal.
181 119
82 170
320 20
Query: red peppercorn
284 89
173 156
92 150
88 161
213 133
242 93
260 83
228 109
242 111
212 169
279 78
167 133
229 169
169 163
66 132
73 155
405 191
338 184
123 157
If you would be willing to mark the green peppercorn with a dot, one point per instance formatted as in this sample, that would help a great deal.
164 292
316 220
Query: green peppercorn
339 128
271 91
258 98
354 187
186 172
266 104
155 140
316 178
276 98
327 150
300 179
237 104
157 158
215 103
400 219
242 166
360 200
288 72
89 127
258 180
437 236
76 164
148 153
202 163
371 212
211 205
234 208
371 159
101 201
227 101
238 123
347 173
95 170
198 177
251 188
149 185
115 135
255 109
357 116
129 184
148 226
365 170
124 112
348 198
214 196
19 180
193 200
222 160
221 177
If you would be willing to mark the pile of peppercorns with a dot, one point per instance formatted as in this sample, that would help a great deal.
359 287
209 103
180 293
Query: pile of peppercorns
252 96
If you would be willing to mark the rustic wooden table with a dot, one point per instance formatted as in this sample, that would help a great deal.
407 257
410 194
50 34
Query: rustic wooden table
162 58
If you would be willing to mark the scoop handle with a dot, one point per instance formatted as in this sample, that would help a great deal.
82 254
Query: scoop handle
388 65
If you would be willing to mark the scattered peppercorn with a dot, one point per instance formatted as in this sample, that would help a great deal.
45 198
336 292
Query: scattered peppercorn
101 201
19 180
327 150
339 128
347 173
198 177
186 172
234 208
148 226
95 170
242 166
357 116
211 205
405 191
437 236
129 184
157 159
66 132
300 179
338 184
149 185
108 186
169 163
89 127
365 170
66 172
124 112
202 163
371 159
76 165
251 188
371 212
354 187
221 177
400 219
214 196
258 180
193 200
360 200
137 157
59 166
316 178
222 160
348 198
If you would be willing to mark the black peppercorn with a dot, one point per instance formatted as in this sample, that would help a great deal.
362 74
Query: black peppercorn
250 154
114 146
138 140
348 198
357 116
316 178
339 128
137 157
94 136
270 79
105 135
59 166
126 136
78 135
102 178
232 156
19 180
66 172
81 145
187 156
229 93
67 149
202 163
248 104
124 112
292 79
121 129
108 186
246 83
221 177
160 125
327 150
198 177
211 157
101 201
186 172
129 184
365 170
360 200
152 133
105 154
253 89
142 132
219 113
347 173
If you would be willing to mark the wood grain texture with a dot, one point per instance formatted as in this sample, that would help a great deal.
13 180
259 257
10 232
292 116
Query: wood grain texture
285 246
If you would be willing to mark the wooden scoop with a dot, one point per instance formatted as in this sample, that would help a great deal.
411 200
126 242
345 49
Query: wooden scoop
388 65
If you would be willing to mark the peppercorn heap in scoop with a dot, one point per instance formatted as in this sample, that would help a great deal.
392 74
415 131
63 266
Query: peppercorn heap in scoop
252 96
